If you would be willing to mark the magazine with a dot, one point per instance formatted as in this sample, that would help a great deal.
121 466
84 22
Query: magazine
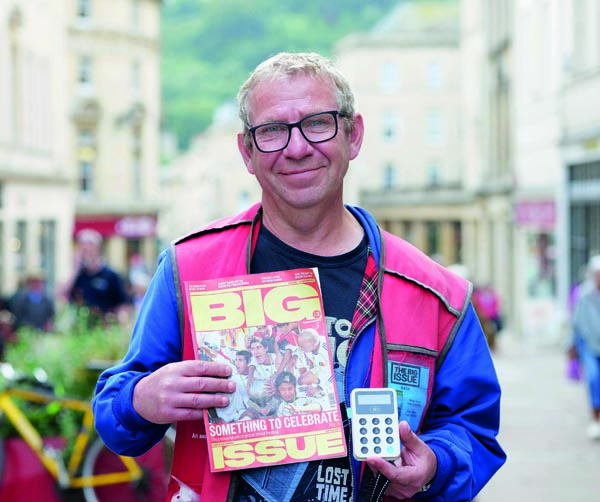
271 329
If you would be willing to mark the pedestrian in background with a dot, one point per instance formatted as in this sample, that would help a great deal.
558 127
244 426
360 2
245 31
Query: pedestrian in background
487 305
32 305
586 341
96 285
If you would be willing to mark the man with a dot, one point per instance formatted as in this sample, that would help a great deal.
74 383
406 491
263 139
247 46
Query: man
238 401
586 341
31 305
290 404
96 285
262 370
412 325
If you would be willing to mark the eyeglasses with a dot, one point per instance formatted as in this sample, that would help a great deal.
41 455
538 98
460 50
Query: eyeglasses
315 128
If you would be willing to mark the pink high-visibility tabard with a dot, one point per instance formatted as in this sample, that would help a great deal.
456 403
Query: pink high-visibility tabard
421 302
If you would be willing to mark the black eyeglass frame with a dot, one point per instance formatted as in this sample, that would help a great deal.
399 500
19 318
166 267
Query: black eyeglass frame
290 126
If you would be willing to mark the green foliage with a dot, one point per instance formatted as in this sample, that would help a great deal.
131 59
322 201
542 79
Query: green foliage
69 358
211 46
72 360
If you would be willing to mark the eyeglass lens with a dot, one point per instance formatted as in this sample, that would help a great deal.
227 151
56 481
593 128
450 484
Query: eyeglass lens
315 128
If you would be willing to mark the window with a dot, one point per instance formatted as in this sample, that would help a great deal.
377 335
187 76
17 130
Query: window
585 37
20 245
86 171
137 162
135 14
390 126
435 128
434 173
84 9
390 78
14 81
85 74
48 249
433 237
435 76
136 75
389 176
86 158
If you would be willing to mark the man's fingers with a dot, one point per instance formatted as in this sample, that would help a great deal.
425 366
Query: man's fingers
407 436
204 368
379 465
193 400
209 385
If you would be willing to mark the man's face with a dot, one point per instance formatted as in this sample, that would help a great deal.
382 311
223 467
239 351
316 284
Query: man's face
308 344
303 175
241 364
287 391
90 252
259 351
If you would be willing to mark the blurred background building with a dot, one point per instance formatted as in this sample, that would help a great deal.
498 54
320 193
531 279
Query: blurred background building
36 196
114 95
482 142
79 136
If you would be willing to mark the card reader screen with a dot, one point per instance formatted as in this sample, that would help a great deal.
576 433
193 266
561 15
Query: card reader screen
374 402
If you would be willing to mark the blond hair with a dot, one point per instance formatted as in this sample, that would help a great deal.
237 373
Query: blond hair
291 64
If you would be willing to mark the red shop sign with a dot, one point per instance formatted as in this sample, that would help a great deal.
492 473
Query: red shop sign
124 226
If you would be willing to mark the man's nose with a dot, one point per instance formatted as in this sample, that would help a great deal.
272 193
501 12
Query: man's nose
298 144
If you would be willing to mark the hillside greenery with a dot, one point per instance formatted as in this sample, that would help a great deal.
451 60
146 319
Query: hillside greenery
210 47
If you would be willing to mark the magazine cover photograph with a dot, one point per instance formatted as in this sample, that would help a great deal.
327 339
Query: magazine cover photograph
271 329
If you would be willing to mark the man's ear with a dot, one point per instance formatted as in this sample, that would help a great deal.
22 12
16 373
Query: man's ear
356 136
246 152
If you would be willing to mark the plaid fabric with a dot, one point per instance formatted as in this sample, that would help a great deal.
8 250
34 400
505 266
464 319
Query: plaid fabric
366 307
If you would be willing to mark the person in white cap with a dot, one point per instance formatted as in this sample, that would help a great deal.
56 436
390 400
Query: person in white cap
586 341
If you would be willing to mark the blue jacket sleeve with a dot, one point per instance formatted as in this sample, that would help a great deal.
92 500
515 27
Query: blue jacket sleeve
155 341
464 417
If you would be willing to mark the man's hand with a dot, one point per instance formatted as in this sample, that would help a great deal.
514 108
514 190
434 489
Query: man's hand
181 391
415 468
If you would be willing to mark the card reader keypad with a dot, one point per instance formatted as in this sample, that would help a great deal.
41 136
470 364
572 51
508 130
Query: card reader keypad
376 436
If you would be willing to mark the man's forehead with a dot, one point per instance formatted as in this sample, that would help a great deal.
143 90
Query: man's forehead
303 94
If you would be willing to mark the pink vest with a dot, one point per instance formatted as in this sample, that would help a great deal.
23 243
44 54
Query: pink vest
420 302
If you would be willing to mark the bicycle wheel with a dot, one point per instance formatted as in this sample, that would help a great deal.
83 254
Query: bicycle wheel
156 464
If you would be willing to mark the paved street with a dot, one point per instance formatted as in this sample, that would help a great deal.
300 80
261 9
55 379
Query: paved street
544 421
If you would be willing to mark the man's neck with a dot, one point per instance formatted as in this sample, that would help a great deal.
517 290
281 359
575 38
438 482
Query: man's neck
328 233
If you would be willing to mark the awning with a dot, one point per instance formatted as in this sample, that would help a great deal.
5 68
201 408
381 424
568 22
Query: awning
133 226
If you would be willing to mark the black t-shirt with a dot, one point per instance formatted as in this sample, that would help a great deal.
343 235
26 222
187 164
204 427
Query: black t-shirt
341 278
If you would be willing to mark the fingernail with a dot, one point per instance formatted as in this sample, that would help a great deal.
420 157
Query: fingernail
231 386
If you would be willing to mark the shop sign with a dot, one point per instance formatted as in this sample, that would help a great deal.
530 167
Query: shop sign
536 214
131 227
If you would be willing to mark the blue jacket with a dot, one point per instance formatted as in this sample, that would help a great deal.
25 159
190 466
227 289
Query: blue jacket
462 418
